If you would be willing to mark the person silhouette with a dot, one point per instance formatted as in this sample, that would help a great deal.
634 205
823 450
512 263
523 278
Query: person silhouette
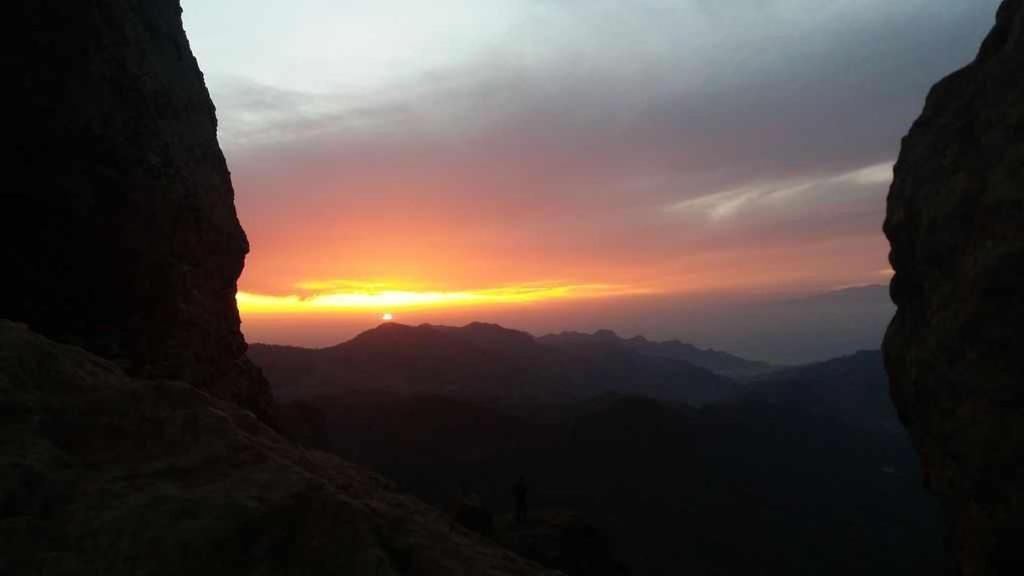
520 491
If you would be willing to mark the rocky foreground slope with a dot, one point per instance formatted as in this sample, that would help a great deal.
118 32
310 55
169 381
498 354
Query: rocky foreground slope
101 473
956 224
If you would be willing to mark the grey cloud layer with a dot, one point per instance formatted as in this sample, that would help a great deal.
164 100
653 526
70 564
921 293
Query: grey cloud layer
624 121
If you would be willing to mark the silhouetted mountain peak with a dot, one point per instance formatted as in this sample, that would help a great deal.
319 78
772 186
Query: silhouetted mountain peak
392 333
491 336
486 326
602 341
681 344
481 360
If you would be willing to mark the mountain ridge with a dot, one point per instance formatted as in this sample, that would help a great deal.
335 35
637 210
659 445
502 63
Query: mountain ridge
488 361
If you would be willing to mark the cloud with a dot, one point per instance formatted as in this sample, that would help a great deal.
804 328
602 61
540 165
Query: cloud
840 194
600 142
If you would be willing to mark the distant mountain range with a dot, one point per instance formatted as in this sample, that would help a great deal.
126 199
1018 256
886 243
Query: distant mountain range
488 362
798 330
716 361
805 468
852 389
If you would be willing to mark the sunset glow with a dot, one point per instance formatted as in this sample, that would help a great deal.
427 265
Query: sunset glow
342 297
560 165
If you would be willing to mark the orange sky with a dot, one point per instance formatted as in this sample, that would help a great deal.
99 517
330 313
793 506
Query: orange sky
468 237
556 164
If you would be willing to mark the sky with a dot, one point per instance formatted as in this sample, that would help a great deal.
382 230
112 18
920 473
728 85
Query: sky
566 164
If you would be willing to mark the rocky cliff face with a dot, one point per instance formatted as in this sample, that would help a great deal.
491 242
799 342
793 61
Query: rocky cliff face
956 224
101 473
122 230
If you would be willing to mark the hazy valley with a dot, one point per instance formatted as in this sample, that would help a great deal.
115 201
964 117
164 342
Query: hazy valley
630 438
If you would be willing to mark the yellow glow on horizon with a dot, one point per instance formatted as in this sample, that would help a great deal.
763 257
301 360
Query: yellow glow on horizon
345 296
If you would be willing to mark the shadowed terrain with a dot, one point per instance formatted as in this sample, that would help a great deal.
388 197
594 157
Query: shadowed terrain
806 471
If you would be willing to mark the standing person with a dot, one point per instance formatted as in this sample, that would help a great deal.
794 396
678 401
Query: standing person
520 490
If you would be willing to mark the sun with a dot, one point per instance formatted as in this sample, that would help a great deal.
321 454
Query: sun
387 317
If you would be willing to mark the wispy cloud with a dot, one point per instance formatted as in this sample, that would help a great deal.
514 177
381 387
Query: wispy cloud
858 189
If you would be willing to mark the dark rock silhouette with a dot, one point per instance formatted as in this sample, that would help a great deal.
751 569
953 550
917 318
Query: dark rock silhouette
956 224
123 233
101 473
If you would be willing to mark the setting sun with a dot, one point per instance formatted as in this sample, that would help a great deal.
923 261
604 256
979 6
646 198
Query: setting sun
387 317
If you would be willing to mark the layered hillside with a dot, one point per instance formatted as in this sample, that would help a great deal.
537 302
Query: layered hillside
122 230
852 389
717 361
956 224
809 473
